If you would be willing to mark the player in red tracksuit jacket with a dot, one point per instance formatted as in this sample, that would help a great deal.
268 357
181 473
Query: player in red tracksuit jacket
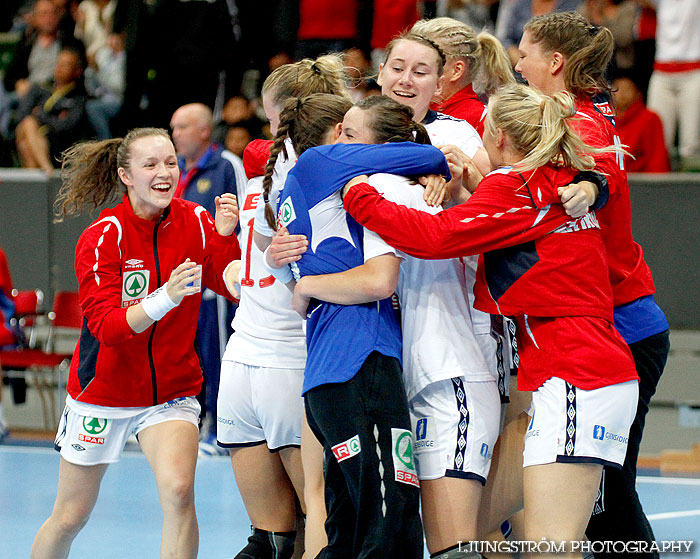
564 52
135 370
549 273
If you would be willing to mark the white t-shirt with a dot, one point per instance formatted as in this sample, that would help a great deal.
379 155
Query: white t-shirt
436 318
444 129
267 331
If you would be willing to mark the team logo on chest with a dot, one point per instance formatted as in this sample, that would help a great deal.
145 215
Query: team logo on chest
134 287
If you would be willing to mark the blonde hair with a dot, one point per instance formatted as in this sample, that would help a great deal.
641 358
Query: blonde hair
537 125
305 122
487 65
587 48
89 172
326 74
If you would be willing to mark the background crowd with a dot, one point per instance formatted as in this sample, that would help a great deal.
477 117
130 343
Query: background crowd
76 69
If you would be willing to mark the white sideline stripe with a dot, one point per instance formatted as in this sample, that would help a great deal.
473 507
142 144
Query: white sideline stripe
677 514
669 480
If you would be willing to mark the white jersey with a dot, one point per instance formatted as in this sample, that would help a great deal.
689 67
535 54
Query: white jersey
267 331
279 175
436 323
677 38
444 129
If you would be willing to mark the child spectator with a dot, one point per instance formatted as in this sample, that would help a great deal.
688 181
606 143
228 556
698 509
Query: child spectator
639 128
237 138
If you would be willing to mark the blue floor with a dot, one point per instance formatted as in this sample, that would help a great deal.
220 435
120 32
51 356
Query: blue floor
126 520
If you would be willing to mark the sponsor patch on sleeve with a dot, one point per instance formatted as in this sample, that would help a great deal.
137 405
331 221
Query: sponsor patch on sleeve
402 454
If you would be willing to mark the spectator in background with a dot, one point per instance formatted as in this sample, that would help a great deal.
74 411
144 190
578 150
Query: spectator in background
93 23
238 111
105 84
51 120
326 27
639 128
37 51
520 12
389 19
175 54
237 138
674 88
207 171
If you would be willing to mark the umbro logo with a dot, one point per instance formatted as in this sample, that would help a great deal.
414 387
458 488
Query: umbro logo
134 263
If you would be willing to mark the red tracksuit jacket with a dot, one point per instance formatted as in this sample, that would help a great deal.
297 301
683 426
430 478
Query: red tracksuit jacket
120 259
542 268
630 275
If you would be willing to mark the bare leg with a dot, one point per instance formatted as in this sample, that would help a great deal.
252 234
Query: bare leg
312 460
78 487
559 500
171 450
503 494
34 147
291 460
450 510
267 492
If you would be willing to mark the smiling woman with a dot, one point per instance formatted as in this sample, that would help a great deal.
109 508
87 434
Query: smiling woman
135 371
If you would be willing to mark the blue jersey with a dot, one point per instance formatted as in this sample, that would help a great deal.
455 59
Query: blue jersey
340 337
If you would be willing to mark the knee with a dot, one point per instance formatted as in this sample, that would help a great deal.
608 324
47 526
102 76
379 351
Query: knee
178 491
69 523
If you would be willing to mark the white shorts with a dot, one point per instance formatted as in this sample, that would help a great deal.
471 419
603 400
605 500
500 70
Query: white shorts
573 425
259 404
455 424
87 440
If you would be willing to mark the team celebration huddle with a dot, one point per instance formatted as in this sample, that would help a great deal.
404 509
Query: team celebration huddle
445 331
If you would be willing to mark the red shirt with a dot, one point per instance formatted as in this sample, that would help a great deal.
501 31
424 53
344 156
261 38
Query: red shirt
641 130
119 259
391 18
320 19
537 262
464 104
629 274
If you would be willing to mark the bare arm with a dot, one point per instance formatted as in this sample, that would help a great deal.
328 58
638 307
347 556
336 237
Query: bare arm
372 281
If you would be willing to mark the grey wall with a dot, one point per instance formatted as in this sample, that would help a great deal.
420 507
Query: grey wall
665 209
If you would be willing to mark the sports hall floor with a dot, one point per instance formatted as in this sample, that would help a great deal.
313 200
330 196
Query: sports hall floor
126 520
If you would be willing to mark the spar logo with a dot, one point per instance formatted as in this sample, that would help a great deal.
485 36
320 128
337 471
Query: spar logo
134 287
404 466
94 425
348 449
286 214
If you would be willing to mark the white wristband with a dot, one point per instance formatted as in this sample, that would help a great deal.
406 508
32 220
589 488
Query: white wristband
283 274
157 304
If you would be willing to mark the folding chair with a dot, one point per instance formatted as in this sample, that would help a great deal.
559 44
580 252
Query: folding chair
65 321
28 308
